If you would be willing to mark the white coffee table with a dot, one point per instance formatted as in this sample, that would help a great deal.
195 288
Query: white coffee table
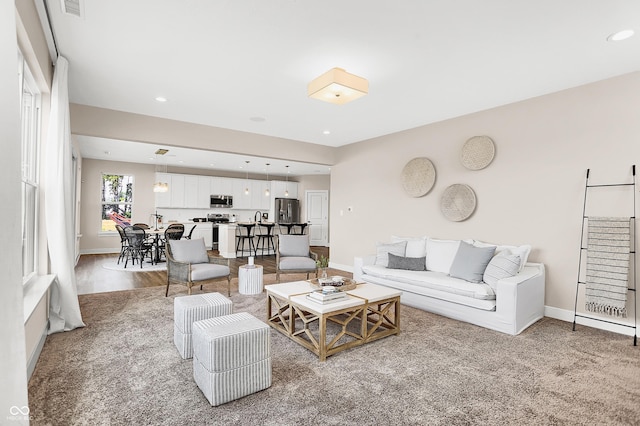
250 279
369 313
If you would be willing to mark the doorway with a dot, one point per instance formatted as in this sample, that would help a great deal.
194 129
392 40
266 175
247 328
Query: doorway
317 211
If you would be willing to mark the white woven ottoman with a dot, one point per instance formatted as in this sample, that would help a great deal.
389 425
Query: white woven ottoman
189 309
231 357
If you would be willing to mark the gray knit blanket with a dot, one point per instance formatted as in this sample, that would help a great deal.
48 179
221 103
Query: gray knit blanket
608 254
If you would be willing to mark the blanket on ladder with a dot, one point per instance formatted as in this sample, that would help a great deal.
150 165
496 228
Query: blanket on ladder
608 254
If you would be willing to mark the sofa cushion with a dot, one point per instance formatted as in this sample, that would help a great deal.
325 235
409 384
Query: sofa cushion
433 280
440 254
297 262
383 250
503 265
470 262
416 247
407 263
522 251
190 251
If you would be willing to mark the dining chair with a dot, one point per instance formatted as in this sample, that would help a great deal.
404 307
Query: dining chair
139 247
124 243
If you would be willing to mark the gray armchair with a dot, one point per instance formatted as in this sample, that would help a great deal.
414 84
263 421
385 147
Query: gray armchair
188 263
293 255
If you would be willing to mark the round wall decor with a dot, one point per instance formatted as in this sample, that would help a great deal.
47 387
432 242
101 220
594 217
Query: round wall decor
418 176
458 202
477 153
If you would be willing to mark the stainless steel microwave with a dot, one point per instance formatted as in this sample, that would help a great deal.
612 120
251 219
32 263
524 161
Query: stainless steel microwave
221 201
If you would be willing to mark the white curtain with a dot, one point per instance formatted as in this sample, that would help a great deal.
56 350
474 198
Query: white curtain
64 313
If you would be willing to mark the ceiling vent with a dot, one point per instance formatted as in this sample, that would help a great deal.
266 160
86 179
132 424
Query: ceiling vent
161 151
72 7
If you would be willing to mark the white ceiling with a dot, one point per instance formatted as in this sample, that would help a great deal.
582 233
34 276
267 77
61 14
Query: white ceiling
245 65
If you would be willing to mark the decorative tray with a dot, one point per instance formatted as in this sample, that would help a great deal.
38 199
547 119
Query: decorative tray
340 283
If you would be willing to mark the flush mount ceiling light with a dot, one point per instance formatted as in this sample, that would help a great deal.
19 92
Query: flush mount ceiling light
620 35
338 87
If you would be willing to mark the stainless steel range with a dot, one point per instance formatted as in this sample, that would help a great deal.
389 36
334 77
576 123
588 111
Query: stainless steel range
216 219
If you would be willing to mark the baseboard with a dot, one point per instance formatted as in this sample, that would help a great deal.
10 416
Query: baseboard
33 359
108 250
565 315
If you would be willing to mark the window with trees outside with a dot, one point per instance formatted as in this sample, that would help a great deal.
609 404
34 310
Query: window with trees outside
117 201
30 142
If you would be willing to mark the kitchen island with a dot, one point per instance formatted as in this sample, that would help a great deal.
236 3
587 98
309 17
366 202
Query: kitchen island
227 239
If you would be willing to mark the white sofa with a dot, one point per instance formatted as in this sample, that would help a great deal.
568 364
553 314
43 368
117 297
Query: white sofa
501 291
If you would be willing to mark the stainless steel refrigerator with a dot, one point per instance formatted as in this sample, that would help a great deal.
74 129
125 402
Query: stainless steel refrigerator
287 210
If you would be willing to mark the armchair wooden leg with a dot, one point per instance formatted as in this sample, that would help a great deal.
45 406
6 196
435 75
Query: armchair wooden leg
167 292
229 286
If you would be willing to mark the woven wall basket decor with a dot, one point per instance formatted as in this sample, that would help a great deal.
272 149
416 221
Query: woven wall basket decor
478 152
418 177
458 202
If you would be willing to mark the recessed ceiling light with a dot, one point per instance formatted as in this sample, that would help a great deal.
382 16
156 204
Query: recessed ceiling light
326 132
257 119
161 99
620 35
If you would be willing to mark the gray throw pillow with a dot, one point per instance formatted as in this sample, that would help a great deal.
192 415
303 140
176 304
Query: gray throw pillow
501 266
407 263
383 250
470 262
190 251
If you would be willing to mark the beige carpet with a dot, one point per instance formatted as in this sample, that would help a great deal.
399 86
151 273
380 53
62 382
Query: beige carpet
123 369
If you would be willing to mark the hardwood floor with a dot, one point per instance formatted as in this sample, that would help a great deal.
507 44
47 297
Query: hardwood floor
91 277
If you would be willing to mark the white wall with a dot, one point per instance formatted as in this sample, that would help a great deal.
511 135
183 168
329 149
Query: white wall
532 193
13 371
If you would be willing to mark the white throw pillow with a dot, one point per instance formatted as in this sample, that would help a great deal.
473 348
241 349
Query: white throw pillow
502 265
416 246
383 250
522 251
440 254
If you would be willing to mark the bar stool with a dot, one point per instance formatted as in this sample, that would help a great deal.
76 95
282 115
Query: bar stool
244 232
265 235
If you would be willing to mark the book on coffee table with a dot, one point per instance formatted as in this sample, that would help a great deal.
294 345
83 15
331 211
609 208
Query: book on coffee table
323 297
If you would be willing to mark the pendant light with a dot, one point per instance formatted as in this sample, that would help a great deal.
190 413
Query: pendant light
286 187
246 189
160 186
266 191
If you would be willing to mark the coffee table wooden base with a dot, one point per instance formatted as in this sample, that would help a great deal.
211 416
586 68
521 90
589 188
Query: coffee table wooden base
308 327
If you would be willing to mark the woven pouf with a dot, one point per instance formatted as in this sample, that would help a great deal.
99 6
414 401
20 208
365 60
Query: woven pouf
231 357
189 309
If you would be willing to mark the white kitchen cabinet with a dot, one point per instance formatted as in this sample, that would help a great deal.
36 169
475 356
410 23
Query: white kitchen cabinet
259 201
190 191
240 199
279 188
221 186
204 192
176 189
163 199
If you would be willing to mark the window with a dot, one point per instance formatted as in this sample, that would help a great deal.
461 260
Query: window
117 201
30 140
